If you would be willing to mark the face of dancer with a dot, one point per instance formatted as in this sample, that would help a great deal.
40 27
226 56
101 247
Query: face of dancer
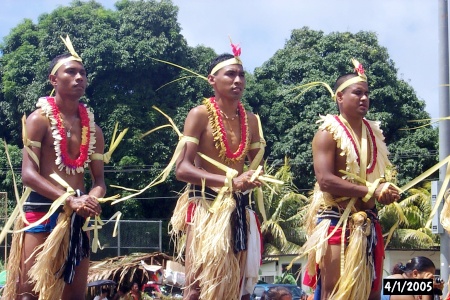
70 79
229 82
354 100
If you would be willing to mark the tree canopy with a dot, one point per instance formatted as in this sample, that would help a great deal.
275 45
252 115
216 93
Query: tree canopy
118 48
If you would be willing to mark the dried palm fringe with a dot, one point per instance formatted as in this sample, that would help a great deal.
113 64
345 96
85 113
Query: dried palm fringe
320 201
214 266
177 224
317 243
46 272
10 290
356 280
214 262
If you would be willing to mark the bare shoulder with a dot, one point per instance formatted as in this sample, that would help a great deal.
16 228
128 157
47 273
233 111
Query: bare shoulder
323 137
196 121
323 142
199 112
37 124
37 117
98 130
198 116
251 116
252 120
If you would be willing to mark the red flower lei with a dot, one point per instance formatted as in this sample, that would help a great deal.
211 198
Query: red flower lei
82 159
373 161
220 134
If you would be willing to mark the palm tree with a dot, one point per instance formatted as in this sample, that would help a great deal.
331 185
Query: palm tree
405 221
282 230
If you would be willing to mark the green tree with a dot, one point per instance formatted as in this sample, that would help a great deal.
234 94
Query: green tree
282 231
405 221
6 174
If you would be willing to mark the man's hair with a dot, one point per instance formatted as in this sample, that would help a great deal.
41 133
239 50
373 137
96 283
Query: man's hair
217 60
419 263
275 293
104 290
342 79
55 61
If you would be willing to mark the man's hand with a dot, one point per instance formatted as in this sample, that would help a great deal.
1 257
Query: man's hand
85 206
386 193
244 182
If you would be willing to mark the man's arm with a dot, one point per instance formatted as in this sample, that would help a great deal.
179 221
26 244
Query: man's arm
255 137
324 155
96 167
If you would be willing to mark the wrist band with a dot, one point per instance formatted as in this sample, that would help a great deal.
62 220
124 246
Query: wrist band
370 192
372 187
228 183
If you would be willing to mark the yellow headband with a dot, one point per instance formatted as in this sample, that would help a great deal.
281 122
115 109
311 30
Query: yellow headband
360 78
236 60
232 61
74 56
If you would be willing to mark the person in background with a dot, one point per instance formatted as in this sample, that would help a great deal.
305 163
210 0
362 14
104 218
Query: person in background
103 295
135 293
277 293
419 267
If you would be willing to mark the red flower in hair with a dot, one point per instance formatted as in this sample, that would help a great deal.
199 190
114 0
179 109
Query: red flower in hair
236 49
360 69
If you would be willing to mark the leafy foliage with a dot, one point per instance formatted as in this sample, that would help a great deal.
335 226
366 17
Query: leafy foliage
282 232
406 221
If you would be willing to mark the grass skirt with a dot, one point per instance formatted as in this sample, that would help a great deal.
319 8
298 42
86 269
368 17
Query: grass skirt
46 271
10 290
214 265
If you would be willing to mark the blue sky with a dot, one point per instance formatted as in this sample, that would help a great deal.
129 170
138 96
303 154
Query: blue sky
407 28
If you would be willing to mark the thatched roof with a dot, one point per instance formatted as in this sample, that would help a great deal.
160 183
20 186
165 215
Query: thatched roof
125 270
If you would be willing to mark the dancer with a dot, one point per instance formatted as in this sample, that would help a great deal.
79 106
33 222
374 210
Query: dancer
222 253
61 140
350 164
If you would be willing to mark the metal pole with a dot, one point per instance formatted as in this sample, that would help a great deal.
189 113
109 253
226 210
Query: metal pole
6 236
444 111
118 238
160 236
